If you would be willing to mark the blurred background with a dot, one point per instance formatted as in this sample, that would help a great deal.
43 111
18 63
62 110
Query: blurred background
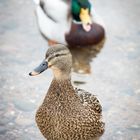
110 70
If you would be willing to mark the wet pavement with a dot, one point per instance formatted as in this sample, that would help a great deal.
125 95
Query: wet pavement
110 70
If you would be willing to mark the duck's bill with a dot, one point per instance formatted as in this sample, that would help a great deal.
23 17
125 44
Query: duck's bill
85 19
42 67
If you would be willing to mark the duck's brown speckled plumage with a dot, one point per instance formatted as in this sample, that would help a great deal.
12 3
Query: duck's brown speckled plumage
90 100
69 114
64 115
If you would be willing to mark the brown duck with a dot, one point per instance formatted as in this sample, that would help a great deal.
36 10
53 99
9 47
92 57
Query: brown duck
67 113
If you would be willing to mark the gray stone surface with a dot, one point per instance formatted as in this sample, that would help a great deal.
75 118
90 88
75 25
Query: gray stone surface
112 71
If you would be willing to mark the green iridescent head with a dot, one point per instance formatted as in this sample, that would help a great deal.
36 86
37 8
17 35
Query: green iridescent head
80 10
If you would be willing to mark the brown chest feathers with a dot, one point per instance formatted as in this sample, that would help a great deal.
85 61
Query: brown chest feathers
66 114
78 37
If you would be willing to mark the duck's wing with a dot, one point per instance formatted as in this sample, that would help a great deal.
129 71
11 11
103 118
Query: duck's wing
90 100
56 9
51 28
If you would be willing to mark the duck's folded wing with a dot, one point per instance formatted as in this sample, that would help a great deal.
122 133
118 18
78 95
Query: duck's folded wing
90 100
56 9
49 27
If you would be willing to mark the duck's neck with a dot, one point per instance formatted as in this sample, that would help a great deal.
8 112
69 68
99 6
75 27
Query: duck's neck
61 75
61 90
62 86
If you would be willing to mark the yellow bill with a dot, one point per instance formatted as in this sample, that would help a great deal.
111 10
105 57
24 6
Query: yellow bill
86 19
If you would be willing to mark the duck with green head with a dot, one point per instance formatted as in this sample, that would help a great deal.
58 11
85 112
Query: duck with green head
80 10
69 22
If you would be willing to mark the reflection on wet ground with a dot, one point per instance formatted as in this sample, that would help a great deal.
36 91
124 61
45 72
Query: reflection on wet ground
82 57
114 75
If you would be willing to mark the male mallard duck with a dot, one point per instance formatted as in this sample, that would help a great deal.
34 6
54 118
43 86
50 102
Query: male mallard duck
66 113
70 22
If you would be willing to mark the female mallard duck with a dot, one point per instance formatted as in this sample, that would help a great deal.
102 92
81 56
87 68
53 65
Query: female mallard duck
70 22
66 113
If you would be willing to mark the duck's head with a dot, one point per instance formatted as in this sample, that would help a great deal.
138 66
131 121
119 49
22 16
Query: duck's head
80 10
59 59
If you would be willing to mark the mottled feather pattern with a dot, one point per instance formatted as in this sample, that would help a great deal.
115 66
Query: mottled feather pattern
62 116
89 100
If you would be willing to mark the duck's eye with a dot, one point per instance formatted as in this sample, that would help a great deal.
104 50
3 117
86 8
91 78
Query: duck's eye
57 55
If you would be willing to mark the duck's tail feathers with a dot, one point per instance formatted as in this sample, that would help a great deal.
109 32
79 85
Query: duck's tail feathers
37 2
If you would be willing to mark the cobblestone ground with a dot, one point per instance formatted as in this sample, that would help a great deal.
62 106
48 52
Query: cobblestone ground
114 75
